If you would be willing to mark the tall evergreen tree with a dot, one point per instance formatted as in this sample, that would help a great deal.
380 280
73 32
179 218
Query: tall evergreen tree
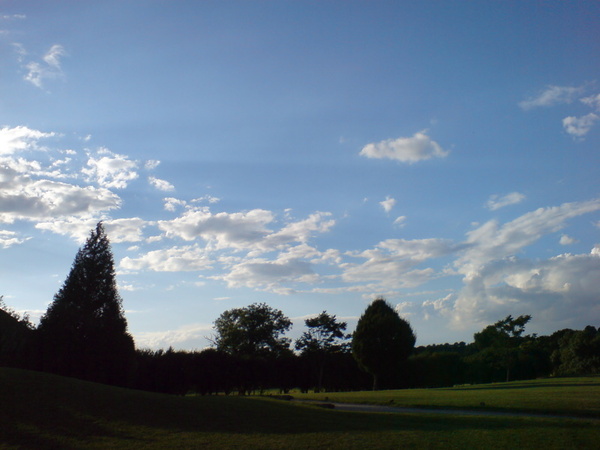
84 331
382 343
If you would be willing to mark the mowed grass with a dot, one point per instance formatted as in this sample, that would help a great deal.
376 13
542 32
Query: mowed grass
43 411
563 396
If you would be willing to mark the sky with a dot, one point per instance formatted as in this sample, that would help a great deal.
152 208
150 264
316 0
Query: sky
311 155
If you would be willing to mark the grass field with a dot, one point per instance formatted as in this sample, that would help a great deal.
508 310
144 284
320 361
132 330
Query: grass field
44 411
564 396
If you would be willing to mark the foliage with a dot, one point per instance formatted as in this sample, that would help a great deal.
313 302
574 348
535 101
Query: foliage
254 331
382 342
16 338
499 343
578 352
84 331
325 337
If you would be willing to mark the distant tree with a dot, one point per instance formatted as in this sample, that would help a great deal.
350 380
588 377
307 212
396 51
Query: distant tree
578 352
84 331
499 343
16 338
382 342
324 337
253 331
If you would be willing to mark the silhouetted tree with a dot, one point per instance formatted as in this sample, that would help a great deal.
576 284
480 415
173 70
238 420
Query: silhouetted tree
382 342
252 331
16 338
578 352
84 331
324 337
499 343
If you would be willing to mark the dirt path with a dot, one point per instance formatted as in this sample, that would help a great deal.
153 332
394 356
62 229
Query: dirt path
356 407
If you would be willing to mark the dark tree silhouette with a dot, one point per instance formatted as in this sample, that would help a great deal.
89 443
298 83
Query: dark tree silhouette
324 337
84 331
254 331
499 343
382 343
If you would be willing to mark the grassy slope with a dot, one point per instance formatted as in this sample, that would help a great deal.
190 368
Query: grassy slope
44 411
566 396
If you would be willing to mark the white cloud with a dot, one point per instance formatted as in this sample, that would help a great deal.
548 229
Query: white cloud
553 95
496 202
117 230
239 230
388 204
161 185
21 138
400 221
592 101
175 259
193 335
405 149
27 199
172 203
492 242
110 171
567 240
578 127
151 164
392 262
10 238
268 275
48 68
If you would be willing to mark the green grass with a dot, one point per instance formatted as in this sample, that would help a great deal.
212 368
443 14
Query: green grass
43 411
563 396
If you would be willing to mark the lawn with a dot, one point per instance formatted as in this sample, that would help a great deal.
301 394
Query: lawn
564 396
44 411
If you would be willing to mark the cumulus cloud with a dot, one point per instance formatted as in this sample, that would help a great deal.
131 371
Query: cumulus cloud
239 230
13 140
175 259
22 198
567 240
10 238
388 204
265 275
392 262
496 202
552 95
578 127
419 147
111 170
48 68
161 185
192 335
117 230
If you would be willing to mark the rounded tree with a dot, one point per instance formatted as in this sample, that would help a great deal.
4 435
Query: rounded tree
254 331
382 343
84 331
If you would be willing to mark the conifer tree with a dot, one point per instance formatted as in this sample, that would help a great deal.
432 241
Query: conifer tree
84 331
382 343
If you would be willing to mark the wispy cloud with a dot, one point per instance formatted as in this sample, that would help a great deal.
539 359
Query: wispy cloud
46 69
410 150
552 95
496 202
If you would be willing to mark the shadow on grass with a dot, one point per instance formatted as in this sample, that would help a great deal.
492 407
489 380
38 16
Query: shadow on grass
43 411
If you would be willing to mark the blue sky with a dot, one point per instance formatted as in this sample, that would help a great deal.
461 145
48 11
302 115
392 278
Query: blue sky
310 155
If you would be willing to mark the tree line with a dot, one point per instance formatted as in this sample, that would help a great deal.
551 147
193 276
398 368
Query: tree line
83 334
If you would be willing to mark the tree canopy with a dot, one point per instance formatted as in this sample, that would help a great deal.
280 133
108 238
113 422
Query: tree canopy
84 331
382 342
255 330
